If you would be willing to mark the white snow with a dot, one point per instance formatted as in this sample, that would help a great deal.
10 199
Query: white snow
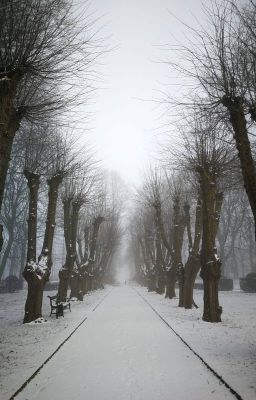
124 351
23 348
228 347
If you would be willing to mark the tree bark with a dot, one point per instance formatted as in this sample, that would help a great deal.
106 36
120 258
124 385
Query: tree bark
161 235
86 244
34 281
37 274
53 184
65 273
33 181
92 251
33 306
210 264
9 124
150 280
6 255
176 262
160 270
193 264
235 107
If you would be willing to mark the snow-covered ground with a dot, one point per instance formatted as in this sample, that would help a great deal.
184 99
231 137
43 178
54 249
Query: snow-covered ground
124 351
23 348
228 347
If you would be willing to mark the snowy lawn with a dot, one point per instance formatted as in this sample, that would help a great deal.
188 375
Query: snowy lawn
23 348
124 351
228 347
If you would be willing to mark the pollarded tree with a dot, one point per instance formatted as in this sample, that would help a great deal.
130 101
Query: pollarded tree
175 267
209 159
111 232
43 46
110 238
53 154
153 193
93 216
77 191
221 61
193 263
143 234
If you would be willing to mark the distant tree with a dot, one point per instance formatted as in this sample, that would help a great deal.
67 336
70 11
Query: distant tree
232 222
193 263
152 191
175 268
78 188
14 210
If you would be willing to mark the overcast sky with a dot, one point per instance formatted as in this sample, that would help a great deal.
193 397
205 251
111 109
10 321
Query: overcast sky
126 123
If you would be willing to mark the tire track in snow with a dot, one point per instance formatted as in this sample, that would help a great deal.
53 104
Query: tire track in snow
55 351
215 373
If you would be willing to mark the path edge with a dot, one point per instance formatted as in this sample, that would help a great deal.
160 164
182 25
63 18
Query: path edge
211 369
20 389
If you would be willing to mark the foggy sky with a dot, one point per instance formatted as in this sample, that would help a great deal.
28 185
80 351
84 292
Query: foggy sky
126 122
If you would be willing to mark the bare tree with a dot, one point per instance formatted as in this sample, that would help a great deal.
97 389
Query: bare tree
43 46
59 161
233 218
175 267
152 191
14 210
220 59
193 264
209 159
76 194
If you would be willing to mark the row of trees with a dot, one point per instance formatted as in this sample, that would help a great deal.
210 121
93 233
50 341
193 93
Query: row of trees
47 57
61 187
211 161
46 53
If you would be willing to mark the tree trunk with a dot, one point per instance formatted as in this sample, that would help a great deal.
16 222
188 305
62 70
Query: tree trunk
87 270
160 269
192 268
147 264
9 124
193 265
211 265
70 239
176 262
65 271
86 243
80 249
171 278
181 269
93 243
37 274
33 306
6 255
34 281
238 120
161 235
23 250
50 224
33 181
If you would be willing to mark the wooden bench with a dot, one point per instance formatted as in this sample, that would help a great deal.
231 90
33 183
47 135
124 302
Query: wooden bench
58 308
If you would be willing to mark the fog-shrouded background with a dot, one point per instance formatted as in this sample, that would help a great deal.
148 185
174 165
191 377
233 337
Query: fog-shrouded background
127 122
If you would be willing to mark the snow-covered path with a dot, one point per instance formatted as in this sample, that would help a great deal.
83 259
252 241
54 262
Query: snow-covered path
124 352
